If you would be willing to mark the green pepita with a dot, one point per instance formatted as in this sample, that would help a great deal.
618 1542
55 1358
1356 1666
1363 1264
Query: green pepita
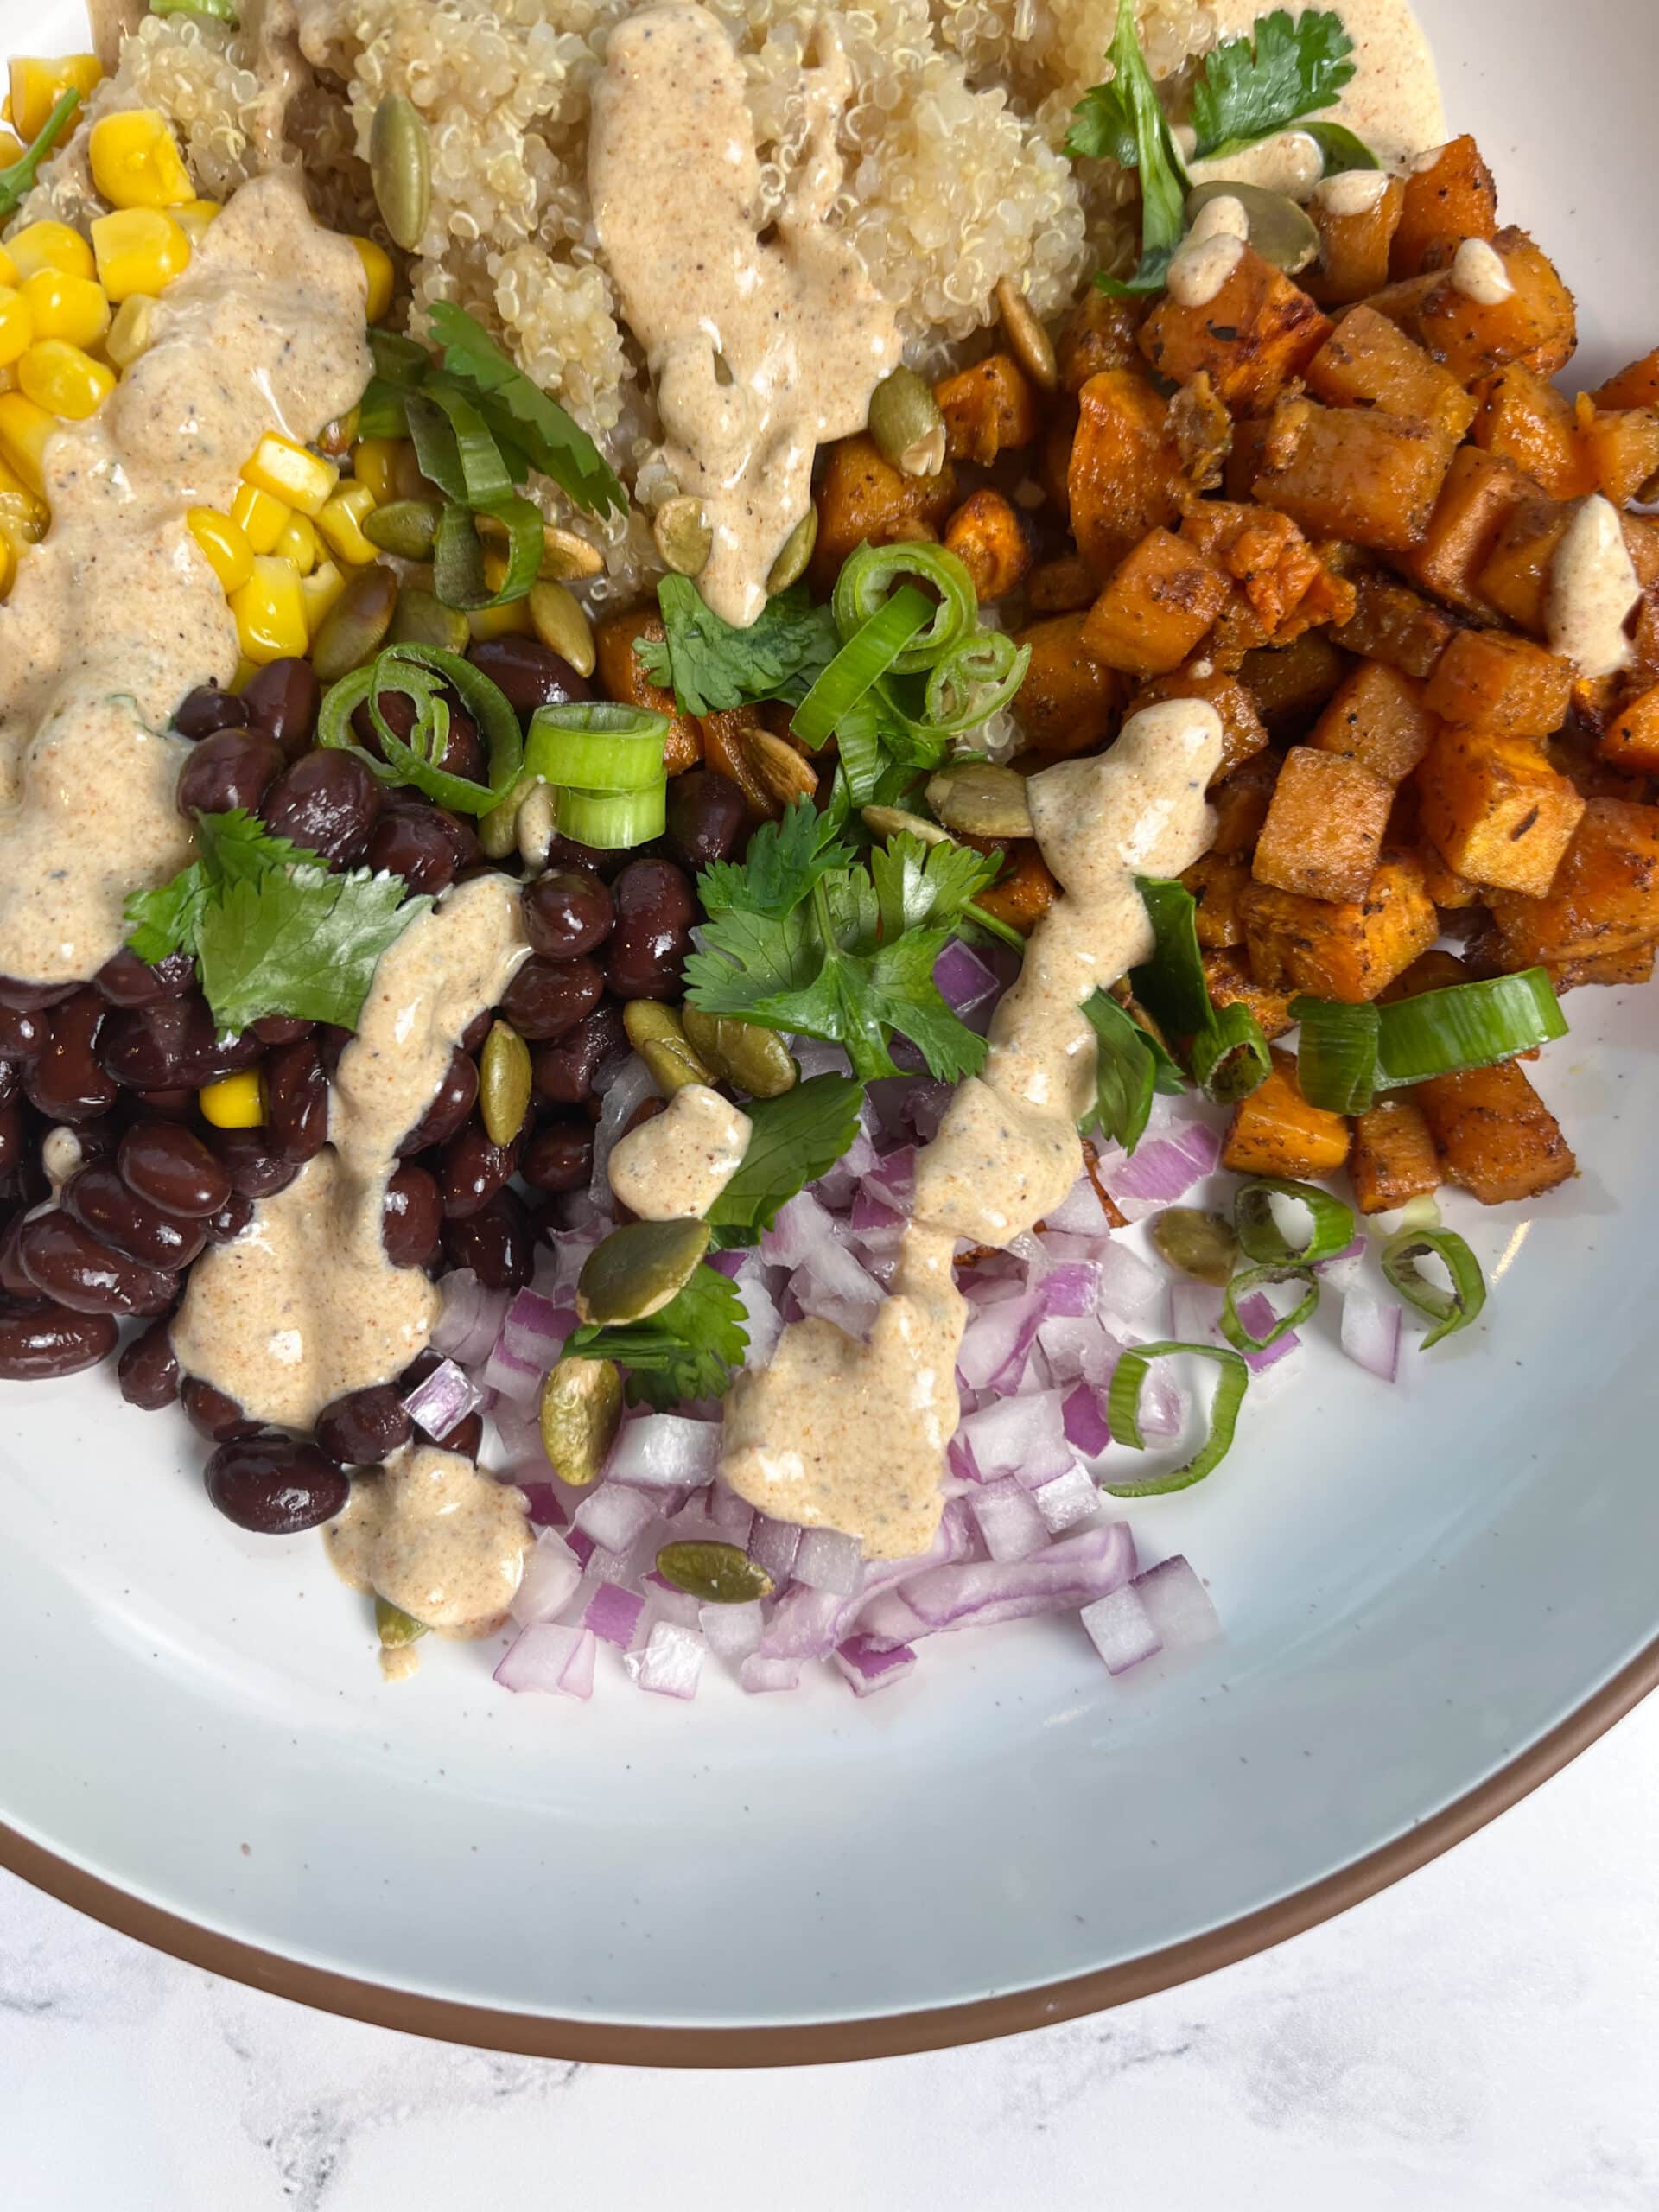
1029 341
638 1268
395 1629
1280 231
535 825
566 558
407 527
503 1083
906 424
752 1059
400 168
656 1033
980 800
338 436
562 626
422 619
790 564
719 1574
581 1412
1199 1245
885 822
354 628
684 537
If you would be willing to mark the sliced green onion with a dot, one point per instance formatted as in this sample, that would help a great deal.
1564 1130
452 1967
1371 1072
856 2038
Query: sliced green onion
1449 1310
458 560
1251 1279
398 360
18 178
869 576
218 11
869 653
596 746
1348 1053
1124 1410
1339 145
611 822
418 673
1171 985
973 682
1336 1054
858 740
483 471
1229 1056
435 447
381 412
1260 1238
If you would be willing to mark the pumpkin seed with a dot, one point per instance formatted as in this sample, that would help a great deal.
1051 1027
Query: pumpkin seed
980 800
340 436
756 1060
562 626
581 1412
566 557
400 168
684 537
407 527
790 564
1280 231
354 628
422 619
497 830
535 824
906 424
1029 341
1198 1243
719 1574
638 1268
503 1083
893 822
395 1628
785 773
656 1033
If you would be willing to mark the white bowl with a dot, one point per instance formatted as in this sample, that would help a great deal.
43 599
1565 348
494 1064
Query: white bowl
1433 1595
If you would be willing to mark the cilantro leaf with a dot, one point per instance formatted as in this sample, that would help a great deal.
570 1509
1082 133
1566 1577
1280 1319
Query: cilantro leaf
1251 87
784 861
233 848
711 668
685 1352
916 883
552 440
797 1137
1124 121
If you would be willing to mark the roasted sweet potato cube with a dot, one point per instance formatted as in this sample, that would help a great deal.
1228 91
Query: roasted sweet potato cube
989 409
1449 891
1264 553
1496 1136
1217 882
1611 969
1025 894
1228 978
1275 1132
1203 432
1124 468
1605 896
1069 701
1635 386
1241 802
1394 1157
1325 828
1098 333
1534 324
1434 970
1351 948
1356 474
1243 733
1290 683
1480 492
1054 452
1062 586
1496 811
1377 718
623 677
1258 332
1368 361
1487 680
1451 198
1393 624
863 497
1522 417
1160 601
1354 243
988 537
1631 741
1402 302
1621 448
1514 579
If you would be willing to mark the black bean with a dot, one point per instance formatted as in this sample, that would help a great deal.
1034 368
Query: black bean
282 1028
236 767
207 708
172 1168
256 1169
708 816
564 852
456 1096
23 1036
14 1135
498 1243
530 674
472 1170
100 1201
67 1083
172 1045
562 1074
147 1370
420 843
275 1485
281 699
40 1343
232 1217
30 998
473 1036
567 912
411 1218
125 980
176 1105
559 1155
464 751
547 998
65 1261
218 1418
655 909
465 1437
13 1281
331 1041
325 802
297 1091
365 1427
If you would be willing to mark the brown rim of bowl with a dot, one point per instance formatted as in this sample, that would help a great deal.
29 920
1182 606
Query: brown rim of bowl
892 2036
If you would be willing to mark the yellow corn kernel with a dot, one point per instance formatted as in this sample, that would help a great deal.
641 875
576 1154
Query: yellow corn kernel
37 86
194 217
60 376
9 272
128 333
374 463
8 564
298 544
225 547
135 159
24 430
11 149
500 621
17 323
138 249
261 520
49 245
319 590
235 1101
67 307
269 611
341 523
290 473
377 267
23 515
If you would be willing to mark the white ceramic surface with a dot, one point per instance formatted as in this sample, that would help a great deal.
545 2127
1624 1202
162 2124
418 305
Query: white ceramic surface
1416 1583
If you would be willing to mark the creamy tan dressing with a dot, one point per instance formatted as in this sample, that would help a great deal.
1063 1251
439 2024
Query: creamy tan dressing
1351 192
852 1436
759 350
1593 588
116 615
1479 273
305 1304
676 1164
1210 253
436 1538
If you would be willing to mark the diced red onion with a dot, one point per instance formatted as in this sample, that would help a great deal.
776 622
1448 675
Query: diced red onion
998 1337
976 1594
772 1545
733 1515
1069 1499
1258 1314
826 1560
614 1613
470 1318
1121 1630
1078 1213
614 1516
511 1375
803 1227
1083 1414
549 1658
892 1181
1069 1290
1079 1349
444 1399
832 1286
874 1224
534 1328
543 1503
866 1669
669 1662
756 1673
582 1544
814 1057
1008 1520
1161 1170
1129 1284
665 1452
924 1107
665 1603
552 1571
962 979
1177 1605
1021 1437
804 1624
732 1632
1338 1272
1371 1332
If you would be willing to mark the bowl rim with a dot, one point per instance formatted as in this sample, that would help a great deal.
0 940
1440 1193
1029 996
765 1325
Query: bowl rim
826 2041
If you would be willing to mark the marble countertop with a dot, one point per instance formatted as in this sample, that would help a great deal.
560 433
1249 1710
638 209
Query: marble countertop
1484 2037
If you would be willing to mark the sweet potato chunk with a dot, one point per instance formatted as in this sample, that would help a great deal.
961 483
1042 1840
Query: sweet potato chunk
1631 741
624 678
1453 199
1161 600
1063 587
1265 554
1496 1136
1025 894
1393 624
1069 701
1635 966
1496 811
1487 680
1604 899
1535 324
1203 432
988 536
1449 890
1350 950
1290 683
1354 249
1258 332
1522 417
1241 802
1514 579
1123 470
1394 1157
1635 386
1324 829
1229 982
1217 883
1621 449
1243 734
1480 492
989 409
1378 719
1401 303
1098 333
1275 1132
1368 361
1368 478
862 496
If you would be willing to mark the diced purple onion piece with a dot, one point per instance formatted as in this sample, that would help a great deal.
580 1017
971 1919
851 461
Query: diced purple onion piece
670 1661
805 1625
546 1656
442 1400
552 1571
1083 1416
732 1632
1161 1170
756 1673
825 1560
614 1516
534 1327
802 1228
1338 1273
732 1515
546 1509
1023 1437
471 1319
1177 1605
962 979
1067 1575
1008 1520
614 1613
512 1377
772 1545
664 1451
866 1669
1120 1629
1129 1284
1371 1332
1067 1500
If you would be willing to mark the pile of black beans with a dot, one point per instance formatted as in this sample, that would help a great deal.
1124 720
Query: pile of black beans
147 1184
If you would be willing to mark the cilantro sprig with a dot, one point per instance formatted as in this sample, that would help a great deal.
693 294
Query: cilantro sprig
18 177
797 1137
710 667
1130 1063
1253 86
1124 121
686 1351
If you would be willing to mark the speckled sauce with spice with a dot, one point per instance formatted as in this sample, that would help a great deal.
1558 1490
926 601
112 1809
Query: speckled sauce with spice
437 1538
1593 589
678 1163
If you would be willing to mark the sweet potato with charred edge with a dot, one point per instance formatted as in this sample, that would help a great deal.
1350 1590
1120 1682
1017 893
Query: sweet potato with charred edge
1025 894
1265 554
988 536
1522 417
862 496
1631 741
1275 1132
1258 332
1369 479
1325 828
987 409
1063 587
1160 601
725 752
1069 701
622 676
1452 200
1402 302
1228 979
1243 733
1536 324
1450 891
1378 719
1290 683
1496 811
1121 481
1479 494
1513 578
1350 950
1099 333
1613 969
1487 680
1368 361
1394 1157
1217 883
1202 430
1638 385
1354 249
1605 896
1393 624
1621 448
1496 1136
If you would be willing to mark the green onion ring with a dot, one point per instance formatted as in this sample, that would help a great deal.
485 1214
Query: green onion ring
1230 1055
1336 1054
1259 1234
417 672
1123 1408
458 571
613 821
1449 1310
974 681
874 648
1251 1279
870 575
596 746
